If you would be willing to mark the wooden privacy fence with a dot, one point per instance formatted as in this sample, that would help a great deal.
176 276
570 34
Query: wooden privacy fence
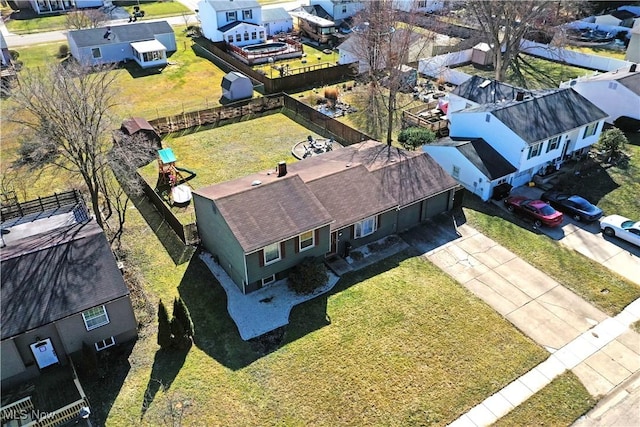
303 77
41 204
216 115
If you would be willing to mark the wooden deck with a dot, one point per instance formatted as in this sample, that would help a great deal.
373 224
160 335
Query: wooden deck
429 119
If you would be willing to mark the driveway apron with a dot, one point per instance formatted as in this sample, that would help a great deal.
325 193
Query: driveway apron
580 337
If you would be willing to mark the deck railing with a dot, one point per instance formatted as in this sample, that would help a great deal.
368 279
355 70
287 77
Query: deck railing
41 204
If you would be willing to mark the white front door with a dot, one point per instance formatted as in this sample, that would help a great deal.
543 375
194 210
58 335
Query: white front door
44 353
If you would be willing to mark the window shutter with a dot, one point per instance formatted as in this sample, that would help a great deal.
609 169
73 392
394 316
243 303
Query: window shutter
316 239
282 250
261 256
297 244
352 230
378 222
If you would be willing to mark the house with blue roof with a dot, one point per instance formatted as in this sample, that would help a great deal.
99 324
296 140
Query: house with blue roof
533 131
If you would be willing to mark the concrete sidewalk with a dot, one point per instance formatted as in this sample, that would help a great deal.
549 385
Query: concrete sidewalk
600 350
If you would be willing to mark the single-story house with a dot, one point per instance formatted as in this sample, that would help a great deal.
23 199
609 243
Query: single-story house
146 43
617 92
531 130
238 22
236 86
61 288
43 7
276 20
260 226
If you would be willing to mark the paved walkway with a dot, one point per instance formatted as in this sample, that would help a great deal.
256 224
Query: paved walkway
601 351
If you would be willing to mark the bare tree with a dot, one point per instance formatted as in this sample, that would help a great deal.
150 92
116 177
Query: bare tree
383 45
504 24
89 18
68 111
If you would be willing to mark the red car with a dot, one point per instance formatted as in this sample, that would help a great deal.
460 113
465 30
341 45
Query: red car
540 212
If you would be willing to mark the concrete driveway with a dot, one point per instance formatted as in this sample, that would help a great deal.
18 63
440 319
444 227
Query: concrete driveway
585 238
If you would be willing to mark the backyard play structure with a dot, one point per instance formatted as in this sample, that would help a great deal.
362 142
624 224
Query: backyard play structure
172 185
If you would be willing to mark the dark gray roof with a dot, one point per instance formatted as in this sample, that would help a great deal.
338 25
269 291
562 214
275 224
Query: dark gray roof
548 115
623 14
275 14
632 82
55 274
544 115
128 33
481 155
225 5
474 90
232 25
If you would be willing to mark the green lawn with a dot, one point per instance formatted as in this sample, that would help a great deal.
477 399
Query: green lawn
158 9
558 404
348 358
540 73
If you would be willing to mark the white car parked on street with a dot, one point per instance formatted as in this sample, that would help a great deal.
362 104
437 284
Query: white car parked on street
622 227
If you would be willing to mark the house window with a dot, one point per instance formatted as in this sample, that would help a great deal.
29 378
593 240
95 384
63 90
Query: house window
271 253
238 37
344 9
365 227
590 130
95 52
268 280
456 172
261 34
422 3
246 35
230 39
534 150
307 240
487 118
231 16
553 143
254 35
246 14
95 317
613 85
106 343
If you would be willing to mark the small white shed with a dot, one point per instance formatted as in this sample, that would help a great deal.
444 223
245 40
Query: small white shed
236 86
481 54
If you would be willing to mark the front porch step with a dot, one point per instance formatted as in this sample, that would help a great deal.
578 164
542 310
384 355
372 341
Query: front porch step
338 265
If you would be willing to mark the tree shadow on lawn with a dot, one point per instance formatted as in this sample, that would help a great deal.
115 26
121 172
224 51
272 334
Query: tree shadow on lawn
217 335
166 365
177 250
593 183
103 387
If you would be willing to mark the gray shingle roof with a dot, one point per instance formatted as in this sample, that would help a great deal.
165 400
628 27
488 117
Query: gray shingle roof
275 14
481 155
52 275
134 32
632 82
474 90
225 5
547 115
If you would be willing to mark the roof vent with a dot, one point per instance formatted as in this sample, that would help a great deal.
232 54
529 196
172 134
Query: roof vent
633 68
484 84
256 183
519 96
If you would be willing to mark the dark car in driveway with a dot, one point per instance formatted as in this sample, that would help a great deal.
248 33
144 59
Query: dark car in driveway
578 207
540 212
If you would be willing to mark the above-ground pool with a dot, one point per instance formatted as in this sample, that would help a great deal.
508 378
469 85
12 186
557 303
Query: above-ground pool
265 47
